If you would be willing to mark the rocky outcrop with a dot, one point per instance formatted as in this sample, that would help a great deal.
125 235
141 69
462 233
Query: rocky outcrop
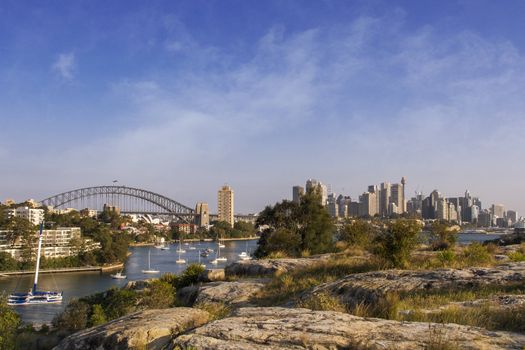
233 294
151 329
370 286
212 275
283 328
269 267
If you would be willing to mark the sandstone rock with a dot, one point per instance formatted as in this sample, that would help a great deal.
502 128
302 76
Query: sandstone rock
212 275
370 286
283 328
268 267
235 294
151 329
186 296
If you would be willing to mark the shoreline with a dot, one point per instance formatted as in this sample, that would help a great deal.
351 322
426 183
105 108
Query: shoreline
146 244
64 270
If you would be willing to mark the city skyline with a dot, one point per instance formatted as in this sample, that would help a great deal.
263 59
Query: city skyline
175 99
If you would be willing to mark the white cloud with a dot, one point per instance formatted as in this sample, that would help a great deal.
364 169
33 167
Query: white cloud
65 65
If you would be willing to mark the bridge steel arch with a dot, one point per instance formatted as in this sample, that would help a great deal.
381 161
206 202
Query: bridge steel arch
171 206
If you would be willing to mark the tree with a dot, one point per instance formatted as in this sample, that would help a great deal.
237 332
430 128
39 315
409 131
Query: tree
293 228
98 316
160 295
444 235
7 263
397 241
74 317
9 323
26 233
357 233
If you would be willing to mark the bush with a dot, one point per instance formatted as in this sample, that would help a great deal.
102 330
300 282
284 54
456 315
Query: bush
98 316
444 235
74 317
159 295
9 323
446 257
477 254
357 233
395 244
322 302
516 256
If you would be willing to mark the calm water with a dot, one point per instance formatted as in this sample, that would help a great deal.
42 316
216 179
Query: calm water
80 284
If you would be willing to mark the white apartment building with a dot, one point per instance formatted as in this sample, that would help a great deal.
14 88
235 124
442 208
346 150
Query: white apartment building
55 243
35 216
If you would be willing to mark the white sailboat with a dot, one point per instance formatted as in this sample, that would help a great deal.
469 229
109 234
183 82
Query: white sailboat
150 270
218 258
180 260
244 255
180 250
35 296
202 265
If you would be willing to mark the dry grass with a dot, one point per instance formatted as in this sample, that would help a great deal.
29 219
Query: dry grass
216 310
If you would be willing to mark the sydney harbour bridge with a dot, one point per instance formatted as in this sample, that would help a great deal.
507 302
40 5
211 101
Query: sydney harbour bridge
129 200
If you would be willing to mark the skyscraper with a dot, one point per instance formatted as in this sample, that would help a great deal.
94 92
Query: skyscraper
225 204
312 184
297 192
384 198
498 210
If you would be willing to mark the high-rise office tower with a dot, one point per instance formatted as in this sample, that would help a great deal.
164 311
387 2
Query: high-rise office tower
202 217
367 204
297 193
384 198
312 184
512 216
225 204
498 210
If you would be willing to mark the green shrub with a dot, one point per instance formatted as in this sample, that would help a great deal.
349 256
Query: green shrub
476 254
98 316
446 257
9 323
395 244
159 295
357 233
516 256
322 302
74 317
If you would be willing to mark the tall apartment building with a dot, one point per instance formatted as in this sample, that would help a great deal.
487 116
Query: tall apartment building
297 193
367 204
202 217
313 184
225 204
35 216
384 198
512 215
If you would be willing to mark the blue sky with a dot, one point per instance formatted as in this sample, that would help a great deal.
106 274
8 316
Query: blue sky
182 97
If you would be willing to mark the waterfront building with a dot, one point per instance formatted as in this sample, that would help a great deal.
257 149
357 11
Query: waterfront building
225 204
485 218
313 184
297 193
202 214
343 202
108 208
92 213
35 216
56 243
186 228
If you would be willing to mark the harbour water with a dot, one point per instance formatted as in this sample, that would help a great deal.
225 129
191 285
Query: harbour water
79 284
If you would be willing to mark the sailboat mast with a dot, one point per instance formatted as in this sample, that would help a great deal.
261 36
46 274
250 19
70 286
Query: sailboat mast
149 259
38 255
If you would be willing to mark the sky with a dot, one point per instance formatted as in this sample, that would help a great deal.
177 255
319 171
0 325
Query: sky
181 97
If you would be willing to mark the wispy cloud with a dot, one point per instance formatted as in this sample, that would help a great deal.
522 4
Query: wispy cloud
65 65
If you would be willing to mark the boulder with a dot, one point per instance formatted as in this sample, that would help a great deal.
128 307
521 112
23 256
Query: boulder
212 275
284 328
269 267
151 329
368 287
234 294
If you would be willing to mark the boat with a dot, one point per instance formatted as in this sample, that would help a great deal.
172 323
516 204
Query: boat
179 249
118 276
150 270
202 265
204 254
180 260
244 254
35 296
165 247
192 247
218 258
